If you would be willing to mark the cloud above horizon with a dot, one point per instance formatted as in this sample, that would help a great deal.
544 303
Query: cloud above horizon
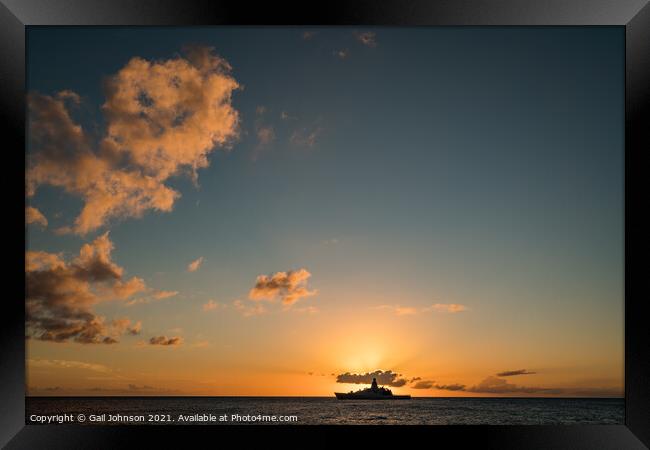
166 341
387 378
427 384
60 295
163 118
289 287
66 364
400 310
489 385
510 373
495 385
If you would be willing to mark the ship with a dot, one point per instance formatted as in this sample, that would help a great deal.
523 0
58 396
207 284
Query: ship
374 392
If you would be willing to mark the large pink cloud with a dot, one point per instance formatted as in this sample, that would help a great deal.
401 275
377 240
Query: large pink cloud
163 118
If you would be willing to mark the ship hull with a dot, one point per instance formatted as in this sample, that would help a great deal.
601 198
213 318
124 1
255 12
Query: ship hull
365 396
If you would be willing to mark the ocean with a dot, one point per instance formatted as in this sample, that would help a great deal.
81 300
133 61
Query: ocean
322 410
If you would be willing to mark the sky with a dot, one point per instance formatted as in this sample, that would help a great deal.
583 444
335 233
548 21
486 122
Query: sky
294 211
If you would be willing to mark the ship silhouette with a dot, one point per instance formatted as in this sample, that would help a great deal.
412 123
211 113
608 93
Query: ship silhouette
374 392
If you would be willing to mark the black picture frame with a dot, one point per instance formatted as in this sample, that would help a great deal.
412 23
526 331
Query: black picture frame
633 15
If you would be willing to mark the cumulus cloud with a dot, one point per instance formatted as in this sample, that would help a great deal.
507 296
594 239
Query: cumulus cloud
510 373
163 118
288 286
367 38
195 265
387 377
34 216
164 340
61 294
424 384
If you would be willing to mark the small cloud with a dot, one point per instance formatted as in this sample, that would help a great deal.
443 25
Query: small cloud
195 265
265 135
342 54
288 286
446 307
308 35
164 294
249 310
306 137
367 38
34 216
510 373
450 387
260 110
154 297
398 310
164 340
211 305
387 377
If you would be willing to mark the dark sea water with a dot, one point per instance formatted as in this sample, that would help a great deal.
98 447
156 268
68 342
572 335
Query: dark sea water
322 410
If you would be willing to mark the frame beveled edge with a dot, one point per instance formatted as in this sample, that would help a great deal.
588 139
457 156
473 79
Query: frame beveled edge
15 15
